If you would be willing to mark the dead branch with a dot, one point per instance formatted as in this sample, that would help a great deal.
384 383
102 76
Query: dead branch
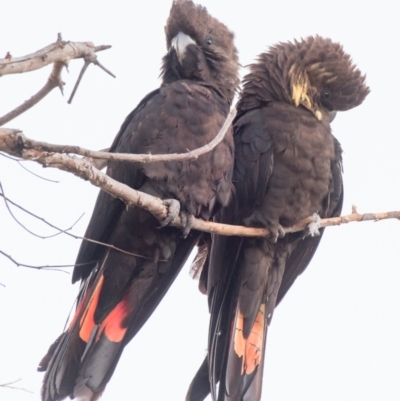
44 267
7 201
88 60
60 51
86 170
13 142
58 54
59 230
10 385
34 174
53 81
242 231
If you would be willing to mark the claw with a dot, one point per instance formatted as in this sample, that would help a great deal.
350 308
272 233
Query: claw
277 232
187 223
275 229
174 208
188 226
315 225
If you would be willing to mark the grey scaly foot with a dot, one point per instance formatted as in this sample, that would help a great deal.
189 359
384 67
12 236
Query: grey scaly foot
174 208
275 229
187 223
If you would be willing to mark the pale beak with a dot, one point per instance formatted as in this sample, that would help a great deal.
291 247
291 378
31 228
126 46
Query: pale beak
180 42
332 115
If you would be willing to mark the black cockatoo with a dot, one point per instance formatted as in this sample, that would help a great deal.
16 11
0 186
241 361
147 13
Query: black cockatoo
120 290
288 166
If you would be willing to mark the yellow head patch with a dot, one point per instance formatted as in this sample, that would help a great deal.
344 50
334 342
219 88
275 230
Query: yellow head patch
300 96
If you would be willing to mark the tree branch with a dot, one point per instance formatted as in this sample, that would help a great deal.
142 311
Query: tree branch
60 51
13 142
85 170
88 60
10 385
59 231
54 81
58 54
44 267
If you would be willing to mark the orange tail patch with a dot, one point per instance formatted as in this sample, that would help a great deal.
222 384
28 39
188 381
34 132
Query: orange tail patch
87 320
112 324
249 349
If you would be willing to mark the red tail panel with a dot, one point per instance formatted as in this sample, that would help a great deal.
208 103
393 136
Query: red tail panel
249 349
112 325
255 342
238 339
87 320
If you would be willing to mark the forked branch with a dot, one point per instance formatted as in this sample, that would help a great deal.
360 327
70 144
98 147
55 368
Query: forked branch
14 142
58 54
11 143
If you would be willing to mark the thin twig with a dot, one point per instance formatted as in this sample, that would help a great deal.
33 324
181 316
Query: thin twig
58 54
3 195
54 81
84 169
224 229
101 66
9 385
44 267
98 163
34 174
58 267
14 141
16 159
101 48
61 231
92 58
242 231
60 51
78 81
89 59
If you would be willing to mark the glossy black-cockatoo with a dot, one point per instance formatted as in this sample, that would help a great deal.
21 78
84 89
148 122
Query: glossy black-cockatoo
120 290
288 166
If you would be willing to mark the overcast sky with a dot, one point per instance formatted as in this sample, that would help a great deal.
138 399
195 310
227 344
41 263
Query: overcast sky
336 335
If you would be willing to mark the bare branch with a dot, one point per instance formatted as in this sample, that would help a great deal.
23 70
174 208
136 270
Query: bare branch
34 174
242 231
84 169
78 81
58 54
9 385
47 267
100 163
61 231
59 267
225 229
54 81
88 60
6 201
60 51
19 161
13 142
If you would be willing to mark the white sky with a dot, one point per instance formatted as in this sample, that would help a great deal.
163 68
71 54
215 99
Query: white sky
336 336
